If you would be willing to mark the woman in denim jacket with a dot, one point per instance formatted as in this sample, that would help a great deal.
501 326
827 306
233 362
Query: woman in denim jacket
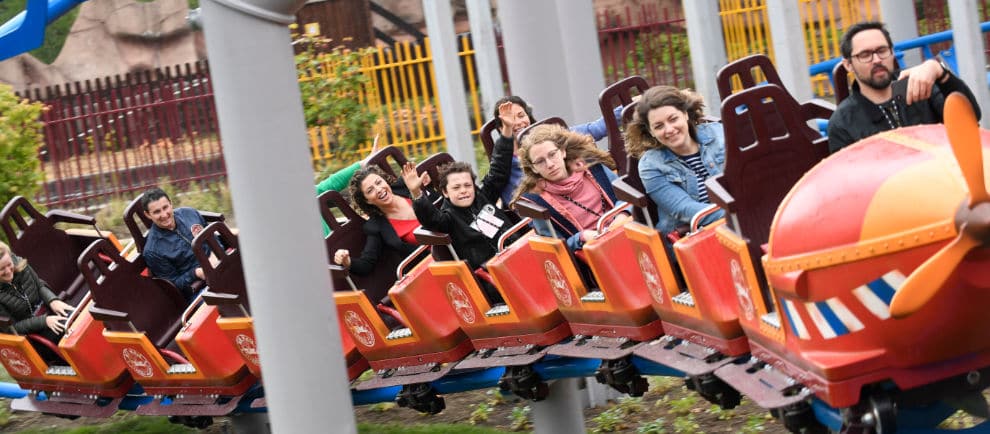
677 153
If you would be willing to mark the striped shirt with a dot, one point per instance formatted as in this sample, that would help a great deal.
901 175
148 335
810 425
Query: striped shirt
694 162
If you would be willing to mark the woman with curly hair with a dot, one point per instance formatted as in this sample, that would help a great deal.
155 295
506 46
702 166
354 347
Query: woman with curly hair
391 219
677 153
558 175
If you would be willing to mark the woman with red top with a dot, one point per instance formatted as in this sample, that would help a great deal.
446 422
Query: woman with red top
391 219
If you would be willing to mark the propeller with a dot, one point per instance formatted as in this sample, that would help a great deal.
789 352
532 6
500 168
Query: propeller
972 218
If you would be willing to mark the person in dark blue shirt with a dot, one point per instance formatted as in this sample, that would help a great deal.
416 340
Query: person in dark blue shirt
168 249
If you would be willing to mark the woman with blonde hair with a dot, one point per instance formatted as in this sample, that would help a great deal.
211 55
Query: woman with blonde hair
577 194
22 292
677 153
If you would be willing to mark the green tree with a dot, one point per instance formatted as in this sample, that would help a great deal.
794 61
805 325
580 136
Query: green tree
20 138
333 88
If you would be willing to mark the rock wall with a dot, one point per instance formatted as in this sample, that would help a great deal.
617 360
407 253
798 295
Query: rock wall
113 37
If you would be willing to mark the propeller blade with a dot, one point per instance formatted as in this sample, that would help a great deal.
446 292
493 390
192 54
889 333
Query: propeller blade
930 276
964 135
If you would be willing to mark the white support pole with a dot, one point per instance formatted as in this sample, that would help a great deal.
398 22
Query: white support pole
582 56
449 81
552 56
561 412
902 23
968 42
270 176
704 31
791 56
490 80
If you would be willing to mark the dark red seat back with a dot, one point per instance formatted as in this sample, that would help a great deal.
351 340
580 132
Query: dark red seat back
432 166
227 275
762 164
347 232
154 306
50 251
619 94
486 137
137 223
389 159
548 121
840 82
751 71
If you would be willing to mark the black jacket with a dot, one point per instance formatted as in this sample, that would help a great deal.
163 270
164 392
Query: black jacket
857 117
469 243
20 298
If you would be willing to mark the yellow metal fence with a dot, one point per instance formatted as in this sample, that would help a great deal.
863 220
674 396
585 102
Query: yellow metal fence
401 88
747 30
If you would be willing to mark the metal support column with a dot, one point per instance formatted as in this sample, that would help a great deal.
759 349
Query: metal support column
902 23
704 31
271 180
552 56
490 81
561 412
449 82
791 56
968 42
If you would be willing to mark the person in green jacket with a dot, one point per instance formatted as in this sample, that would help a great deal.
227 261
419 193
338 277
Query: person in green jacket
339 180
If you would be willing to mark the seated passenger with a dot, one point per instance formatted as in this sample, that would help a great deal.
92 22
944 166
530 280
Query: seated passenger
468 213
676 153
391 219
512 115
576 194
21 293
168 249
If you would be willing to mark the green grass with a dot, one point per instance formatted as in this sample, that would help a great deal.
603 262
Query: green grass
367 428
55 33
123 422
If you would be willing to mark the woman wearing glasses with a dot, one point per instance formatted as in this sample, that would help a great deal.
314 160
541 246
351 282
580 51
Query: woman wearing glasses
871 107
563 172
677 153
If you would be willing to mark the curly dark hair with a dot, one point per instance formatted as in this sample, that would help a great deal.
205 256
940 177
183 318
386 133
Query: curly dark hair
450 168
357 196
637 135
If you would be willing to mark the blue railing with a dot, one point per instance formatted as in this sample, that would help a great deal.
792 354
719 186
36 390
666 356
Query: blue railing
26 30
923 43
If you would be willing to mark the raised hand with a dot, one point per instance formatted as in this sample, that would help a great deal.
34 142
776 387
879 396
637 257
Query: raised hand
505 114
414 181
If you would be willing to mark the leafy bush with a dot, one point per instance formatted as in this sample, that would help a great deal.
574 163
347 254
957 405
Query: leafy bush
519 418
333 91
656 426
20 138
480 413
610 420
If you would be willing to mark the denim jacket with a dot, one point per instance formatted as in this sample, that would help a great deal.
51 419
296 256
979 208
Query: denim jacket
169 254
673 186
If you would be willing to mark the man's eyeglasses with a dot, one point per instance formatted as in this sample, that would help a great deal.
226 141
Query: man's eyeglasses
867 56
552 155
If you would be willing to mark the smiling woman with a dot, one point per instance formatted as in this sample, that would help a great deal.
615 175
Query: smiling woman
390 224
676 153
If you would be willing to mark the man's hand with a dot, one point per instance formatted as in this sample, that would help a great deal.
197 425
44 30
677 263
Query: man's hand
199 273
342 257
921 78
414 181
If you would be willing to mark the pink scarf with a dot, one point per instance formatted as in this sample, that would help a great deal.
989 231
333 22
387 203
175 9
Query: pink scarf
581 188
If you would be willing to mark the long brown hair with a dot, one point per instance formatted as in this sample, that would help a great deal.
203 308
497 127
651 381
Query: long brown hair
638 137
575 146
